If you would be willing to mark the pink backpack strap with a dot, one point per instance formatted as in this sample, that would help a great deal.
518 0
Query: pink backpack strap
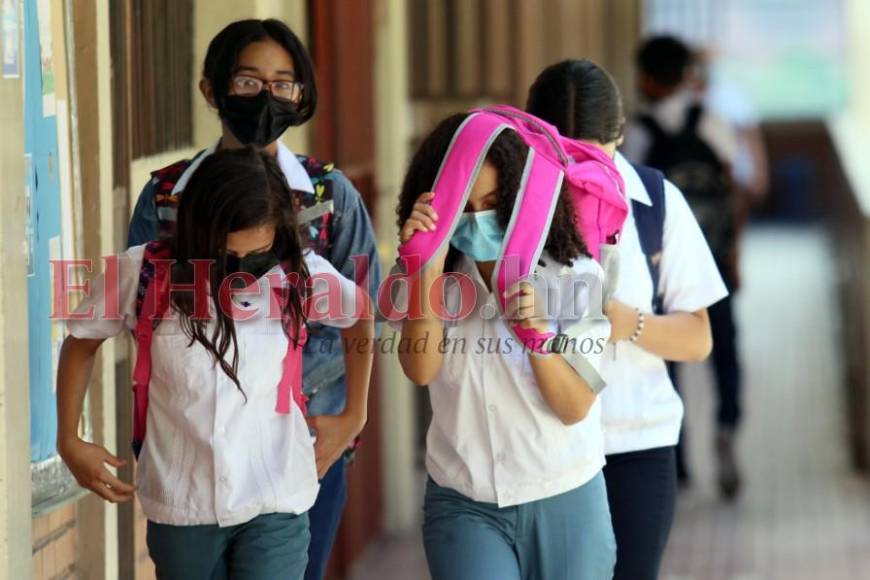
290 384
154 303
594 183
453 184
595 187
530 221
526 235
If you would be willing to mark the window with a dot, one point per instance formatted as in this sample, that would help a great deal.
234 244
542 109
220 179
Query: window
787 55
462 49
161 77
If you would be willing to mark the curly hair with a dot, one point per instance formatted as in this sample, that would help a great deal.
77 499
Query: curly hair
508 155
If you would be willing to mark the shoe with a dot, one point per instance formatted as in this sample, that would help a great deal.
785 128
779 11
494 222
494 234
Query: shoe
728 474
684 478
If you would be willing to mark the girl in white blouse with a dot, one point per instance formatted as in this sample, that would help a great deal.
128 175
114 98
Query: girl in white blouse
225 475
658 313
514 451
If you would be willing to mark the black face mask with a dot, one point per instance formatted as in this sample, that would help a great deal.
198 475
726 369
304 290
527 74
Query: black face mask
255 264
259 120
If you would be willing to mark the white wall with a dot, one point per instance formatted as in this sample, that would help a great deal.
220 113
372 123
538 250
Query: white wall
850 129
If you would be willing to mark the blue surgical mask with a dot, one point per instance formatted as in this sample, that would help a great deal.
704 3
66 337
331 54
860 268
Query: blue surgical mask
478 235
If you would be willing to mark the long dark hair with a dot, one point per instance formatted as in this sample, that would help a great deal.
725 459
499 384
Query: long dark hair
581 99
233 190
224 49
508 155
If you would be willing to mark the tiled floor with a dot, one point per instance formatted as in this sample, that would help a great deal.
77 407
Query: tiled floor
803 515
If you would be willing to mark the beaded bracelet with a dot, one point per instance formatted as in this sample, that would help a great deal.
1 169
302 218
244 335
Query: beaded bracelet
639 329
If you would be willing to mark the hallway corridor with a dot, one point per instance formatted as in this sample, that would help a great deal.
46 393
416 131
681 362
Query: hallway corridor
802 514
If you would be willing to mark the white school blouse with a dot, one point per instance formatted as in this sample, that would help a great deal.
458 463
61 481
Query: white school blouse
493 438
210 456
640 408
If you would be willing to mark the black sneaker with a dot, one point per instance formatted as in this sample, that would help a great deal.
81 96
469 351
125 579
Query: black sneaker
684 478
728 474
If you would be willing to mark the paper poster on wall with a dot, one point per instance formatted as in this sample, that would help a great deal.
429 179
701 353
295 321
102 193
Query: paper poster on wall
64 168
46 57
57 327
29 229
11 44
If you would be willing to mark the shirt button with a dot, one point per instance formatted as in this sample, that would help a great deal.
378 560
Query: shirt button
223 479
491 409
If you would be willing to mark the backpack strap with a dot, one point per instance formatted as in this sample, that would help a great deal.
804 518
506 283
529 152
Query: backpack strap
290 385
538 194
652 126
650 223
315 210
524 238
693 119
151 303
165 202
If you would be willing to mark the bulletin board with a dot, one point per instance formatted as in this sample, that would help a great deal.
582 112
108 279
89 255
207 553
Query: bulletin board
49 233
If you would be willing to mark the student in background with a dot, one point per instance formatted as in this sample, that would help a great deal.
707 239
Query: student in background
696 150
260 79
750 171
729 100
667 280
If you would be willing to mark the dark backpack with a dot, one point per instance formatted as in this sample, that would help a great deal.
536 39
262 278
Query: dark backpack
650 223
314 210
691 164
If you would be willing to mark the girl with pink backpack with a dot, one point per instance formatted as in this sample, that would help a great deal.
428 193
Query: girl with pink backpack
226 468
500 303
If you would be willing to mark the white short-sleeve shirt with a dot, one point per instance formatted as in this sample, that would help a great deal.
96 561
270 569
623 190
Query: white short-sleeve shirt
210 456
640 408
493 437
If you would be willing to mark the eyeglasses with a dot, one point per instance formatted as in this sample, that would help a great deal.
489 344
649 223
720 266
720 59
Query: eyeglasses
246 86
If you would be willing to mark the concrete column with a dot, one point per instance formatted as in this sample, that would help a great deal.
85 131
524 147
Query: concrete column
15 522
392 143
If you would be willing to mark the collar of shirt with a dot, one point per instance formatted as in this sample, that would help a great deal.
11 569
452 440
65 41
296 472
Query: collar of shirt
634 188
670 112
295 174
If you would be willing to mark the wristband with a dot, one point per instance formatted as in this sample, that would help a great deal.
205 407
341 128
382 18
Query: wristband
641 320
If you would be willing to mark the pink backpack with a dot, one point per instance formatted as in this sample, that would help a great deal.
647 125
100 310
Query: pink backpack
593 183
